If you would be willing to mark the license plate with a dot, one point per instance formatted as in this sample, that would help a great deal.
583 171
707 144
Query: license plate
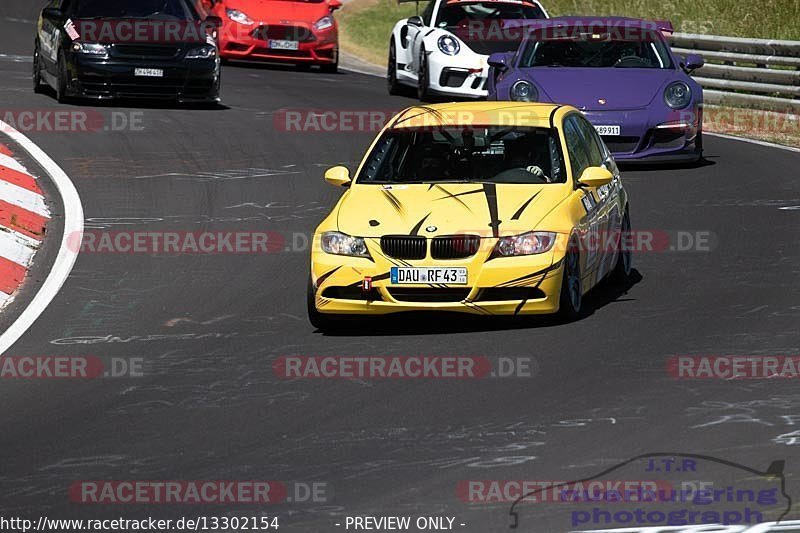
437 275
149 72
284 45
608 130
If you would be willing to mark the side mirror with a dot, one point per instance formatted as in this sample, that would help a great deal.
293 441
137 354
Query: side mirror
52 13
338 176
334 5
499 60
693 62
595 177
415 21
214 21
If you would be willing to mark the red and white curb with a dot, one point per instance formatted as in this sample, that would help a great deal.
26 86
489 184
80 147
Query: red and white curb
22 222
23 218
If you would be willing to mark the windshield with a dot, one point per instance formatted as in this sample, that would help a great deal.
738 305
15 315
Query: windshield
167 9
596 51
496 154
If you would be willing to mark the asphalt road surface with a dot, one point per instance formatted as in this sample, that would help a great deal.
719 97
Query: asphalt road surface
208 328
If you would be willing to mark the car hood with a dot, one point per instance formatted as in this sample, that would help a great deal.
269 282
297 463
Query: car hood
452 208
621 88
281 11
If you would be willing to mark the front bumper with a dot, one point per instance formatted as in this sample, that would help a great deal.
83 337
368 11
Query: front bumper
315 47
500 286
463 78
651 135
183 80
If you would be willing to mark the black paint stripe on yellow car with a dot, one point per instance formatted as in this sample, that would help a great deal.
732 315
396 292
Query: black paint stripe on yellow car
392 199
527 277
379 277
538 283
326 275
473 305
490 190
453 196
523 206
415 229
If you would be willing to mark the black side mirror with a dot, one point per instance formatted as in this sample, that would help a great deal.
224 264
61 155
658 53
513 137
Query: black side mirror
52 13
499 60
693 62
415 21
214 21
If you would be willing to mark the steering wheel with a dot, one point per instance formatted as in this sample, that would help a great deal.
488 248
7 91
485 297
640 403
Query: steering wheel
630 61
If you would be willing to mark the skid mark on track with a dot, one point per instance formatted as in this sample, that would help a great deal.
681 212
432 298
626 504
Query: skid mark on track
223 175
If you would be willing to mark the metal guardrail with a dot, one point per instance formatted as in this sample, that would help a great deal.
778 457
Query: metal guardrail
758 73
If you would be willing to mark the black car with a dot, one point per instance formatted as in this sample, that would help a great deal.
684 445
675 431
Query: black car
106 49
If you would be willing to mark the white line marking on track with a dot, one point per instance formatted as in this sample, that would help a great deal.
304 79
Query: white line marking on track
73 229
753 141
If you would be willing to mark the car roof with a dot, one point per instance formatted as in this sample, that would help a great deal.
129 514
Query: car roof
534 115
599 22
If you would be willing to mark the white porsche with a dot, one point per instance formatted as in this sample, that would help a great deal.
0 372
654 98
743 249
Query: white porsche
445 50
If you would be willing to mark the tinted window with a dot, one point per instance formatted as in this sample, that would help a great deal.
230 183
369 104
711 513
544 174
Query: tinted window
597 51
496 154
594 149
156 9
576 145
427 14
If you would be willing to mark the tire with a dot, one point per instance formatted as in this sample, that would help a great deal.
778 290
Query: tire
699 145
423 78
331 68
319 320
570 303
391 71
38 86
62 86
622 269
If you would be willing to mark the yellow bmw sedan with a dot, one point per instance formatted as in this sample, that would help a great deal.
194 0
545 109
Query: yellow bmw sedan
490 208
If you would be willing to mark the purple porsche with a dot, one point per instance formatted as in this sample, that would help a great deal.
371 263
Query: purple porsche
621 73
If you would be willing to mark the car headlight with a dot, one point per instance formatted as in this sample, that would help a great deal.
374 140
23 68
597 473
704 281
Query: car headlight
238 16
324 23
449 45
202 52
91 49
534 242
337 243
677 95
524 91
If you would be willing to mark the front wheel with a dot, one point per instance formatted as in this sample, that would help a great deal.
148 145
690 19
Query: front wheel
391 71
622 269
331 68
62 86
571 297
423 78
38 86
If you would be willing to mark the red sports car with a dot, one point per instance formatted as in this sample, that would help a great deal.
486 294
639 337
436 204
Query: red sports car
302 32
